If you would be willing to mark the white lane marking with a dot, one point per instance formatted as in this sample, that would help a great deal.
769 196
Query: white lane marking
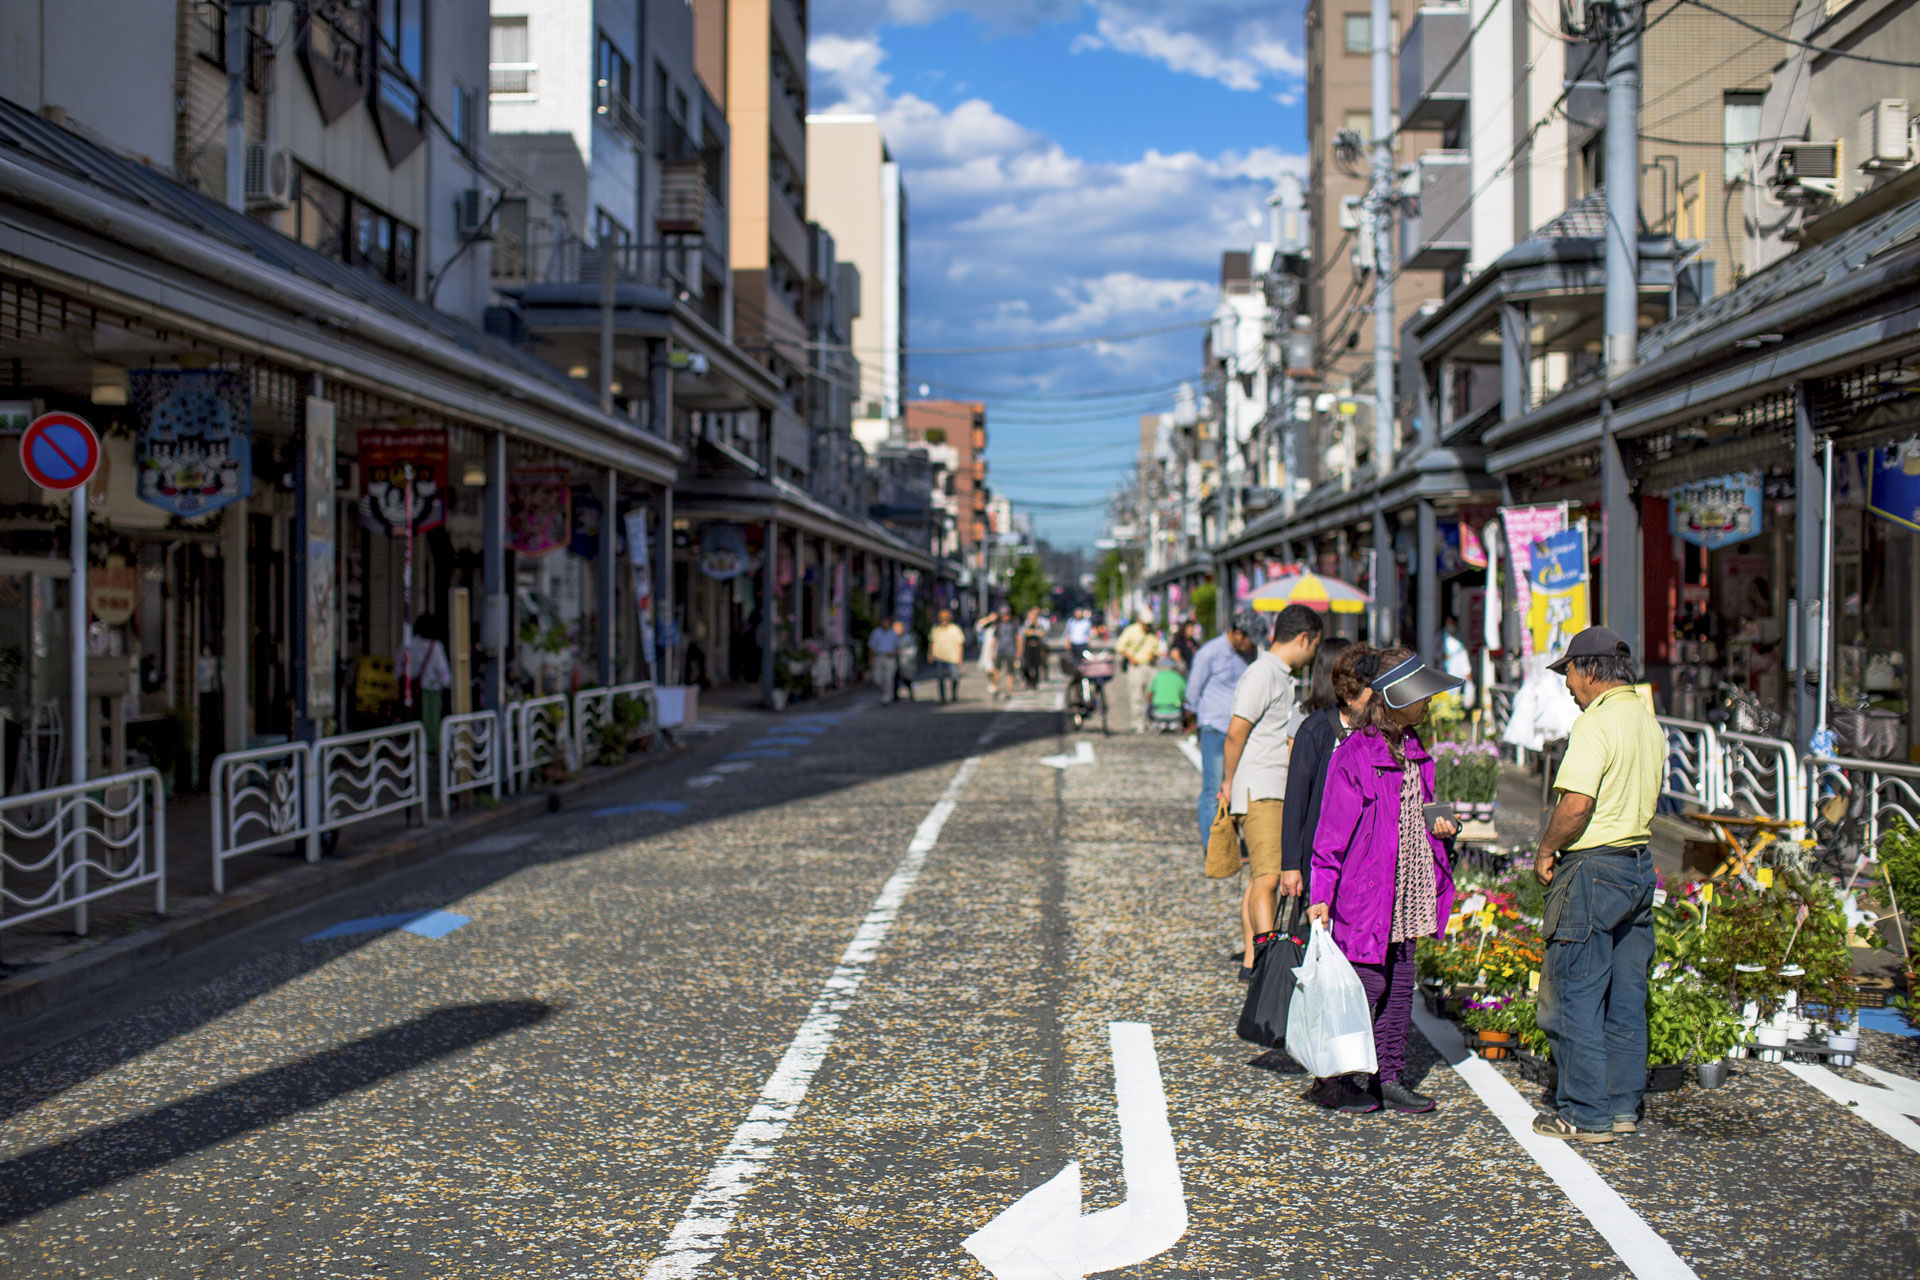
1191 750
702 1229
1642 1250
1042 1235
704 780
1890 1109
1082 754
732 766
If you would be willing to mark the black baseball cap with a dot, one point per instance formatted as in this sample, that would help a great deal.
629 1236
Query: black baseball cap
1406 683
1594 642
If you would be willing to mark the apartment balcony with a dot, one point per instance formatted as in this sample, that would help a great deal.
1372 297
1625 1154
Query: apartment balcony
614 109
1435 230
514 81
1435 67
683 197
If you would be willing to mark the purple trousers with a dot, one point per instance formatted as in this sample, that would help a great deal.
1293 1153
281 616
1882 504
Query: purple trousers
1389 988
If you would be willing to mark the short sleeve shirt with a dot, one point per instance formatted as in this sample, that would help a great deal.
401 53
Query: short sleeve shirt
1615 753
1266 697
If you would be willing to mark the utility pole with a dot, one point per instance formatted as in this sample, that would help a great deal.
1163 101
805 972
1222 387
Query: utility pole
237 107
1620 523
1380 201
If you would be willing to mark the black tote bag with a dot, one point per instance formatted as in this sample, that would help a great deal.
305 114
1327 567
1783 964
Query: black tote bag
1263 1019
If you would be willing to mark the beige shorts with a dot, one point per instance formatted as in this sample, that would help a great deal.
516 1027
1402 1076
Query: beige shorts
1260 828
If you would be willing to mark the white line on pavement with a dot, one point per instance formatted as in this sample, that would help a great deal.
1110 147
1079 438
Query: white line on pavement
704 1226
1888 1106
1643 1251
1191 750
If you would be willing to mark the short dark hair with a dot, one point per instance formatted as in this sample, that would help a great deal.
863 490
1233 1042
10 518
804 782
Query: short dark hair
1326 688
1606 668
1295 620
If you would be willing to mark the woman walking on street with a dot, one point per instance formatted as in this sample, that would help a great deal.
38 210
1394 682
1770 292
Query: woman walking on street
1380 879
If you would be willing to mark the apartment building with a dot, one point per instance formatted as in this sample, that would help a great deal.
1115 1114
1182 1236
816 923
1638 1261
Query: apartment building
961 426
854 190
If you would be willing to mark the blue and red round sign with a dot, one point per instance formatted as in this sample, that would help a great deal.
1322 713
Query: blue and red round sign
59 451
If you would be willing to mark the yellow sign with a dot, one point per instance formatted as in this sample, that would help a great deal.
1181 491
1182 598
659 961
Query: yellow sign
1557 610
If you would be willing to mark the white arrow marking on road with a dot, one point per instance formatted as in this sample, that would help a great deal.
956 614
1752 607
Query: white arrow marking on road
1042 1235
1889 1109
1082 754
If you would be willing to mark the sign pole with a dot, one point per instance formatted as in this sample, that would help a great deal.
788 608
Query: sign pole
79 732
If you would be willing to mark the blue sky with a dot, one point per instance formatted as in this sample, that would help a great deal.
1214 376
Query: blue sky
1074 169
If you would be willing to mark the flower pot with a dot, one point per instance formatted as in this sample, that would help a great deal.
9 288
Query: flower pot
1845 1046
1712 1075
1494 1045
1772 1042
1665 1077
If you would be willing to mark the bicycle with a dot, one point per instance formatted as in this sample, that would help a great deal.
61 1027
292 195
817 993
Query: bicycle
1087 691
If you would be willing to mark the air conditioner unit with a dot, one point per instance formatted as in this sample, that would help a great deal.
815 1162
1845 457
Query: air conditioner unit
269 176
470 215
1806 171
1882 136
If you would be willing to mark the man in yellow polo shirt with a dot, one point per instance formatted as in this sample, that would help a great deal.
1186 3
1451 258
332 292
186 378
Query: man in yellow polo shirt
1594 860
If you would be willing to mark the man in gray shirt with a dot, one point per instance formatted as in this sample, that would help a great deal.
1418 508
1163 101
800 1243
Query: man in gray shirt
1259 742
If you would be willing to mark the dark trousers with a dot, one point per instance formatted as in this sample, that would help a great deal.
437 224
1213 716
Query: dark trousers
1593 995
1389 987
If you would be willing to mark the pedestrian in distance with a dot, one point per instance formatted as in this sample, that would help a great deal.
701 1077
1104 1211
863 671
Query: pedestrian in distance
1217 667
1141 648
1336 705
1380 878
947 648
1594 860
987 628
1254 765
907 663
1006 651
883 649
1079 629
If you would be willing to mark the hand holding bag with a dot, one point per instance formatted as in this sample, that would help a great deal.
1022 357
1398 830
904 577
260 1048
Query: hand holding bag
1223 846
1263 1019
1329 1024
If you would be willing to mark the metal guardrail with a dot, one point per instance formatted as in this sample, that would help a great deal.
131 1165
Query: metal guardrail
593 709
261 798
1760 775
364 775
1693 762
1885 792
535 737
66 826
1500 699
472 755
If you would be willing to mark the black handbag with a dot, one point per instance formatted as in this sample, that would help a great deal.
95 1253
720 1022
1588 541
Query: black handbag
1263 1019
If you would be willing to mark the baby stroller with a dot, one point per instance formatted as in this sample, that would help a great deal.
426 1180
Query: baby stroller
1087 691
1033 658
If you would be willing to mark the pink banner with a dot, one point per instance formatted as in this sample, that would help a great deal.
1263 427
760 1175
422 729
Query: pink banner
1526 526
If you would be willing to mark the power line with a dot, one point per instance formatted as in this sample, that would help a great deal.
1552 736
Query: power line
1784 38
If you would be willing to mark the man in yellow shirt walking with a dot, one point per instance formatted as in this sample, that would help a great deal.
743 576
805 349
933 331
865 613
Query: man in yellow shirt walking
947 649
1141 648
1594 860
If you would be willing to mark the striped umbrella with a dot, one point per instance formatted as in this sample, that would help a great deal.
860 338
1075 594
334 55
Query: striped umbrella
1316 591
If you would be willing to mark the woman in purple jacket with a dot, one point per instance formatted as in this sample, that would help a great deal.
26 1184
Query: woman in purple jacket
1380 877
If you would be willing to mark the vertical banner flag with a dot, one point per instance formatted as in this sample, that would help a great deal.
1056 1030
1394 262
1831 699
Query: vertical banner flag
321 624
194 450
1894 493
1717 511
388 490
538 520
1526 526
1557 610
903 597
640 565
837 624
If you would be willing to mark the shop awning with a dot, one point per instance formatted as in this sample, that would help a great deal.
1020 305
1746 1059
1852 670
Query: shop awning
725 485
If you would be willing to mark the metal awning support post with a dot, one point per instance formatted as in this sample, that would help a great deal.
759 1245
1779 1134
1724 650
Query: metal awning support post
493 619
1809 547
609 543
769 604
1427 585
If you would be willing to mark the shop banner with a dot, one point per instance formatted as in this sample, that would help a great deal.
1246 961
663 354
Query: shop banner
585 519
1557 610
321 626
538 522
194 441
1473 552
903 597
402 471
1895 491
640 565
723 551
1717 511
113 590
837 620
1526 526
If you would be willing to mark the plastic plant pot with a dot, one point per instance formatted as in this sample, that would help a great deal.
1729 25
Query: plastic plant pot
1773 1043
1845 1045
1665 1077
1711 1075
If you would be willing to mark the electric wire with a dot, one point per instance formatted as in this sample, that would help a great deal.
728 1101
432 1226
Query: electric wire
1785 38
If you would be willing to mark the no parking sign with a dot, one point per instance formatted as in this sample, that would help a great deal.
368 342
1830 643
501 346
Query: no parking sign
59 451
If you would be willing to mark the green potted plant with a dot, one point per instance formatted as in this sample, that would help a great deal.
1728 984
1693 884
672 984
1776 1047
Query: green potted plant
1495 1023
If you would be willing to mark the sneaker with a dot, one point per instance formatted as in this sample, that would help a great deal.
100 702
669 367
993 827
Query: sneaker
1340 1093
1626 1124
1397 1097
1555 1126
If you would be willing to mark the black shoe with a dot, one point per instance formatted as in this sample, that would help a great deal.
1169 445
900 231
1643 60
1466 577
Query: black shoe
1397 1097
1340 1093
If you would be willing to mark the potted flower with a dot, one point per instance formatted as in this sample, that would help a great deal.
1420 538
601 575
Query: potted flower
1468 777
1496 1023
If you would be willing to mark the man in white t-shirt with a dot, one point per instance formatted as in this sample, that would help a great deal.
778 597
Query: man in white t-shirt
1259 742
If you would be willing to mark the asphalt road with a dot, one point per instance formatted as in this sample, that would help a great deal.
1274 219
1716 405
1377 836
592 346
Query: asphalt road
829 1019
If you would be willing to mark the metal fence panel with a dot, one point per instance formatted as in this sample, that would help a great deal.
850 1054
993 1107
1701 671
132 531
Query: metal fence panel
1887 793
1759 775
537 737
262 798
593 709
1693 762
77 832
358 776
472 755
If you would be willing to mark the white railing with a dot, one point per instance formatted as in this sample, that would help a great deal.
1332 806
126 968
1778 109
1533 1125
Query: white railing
1500 714
537 737
112 828
1758 775
1879 792
359 776
472 751
1693 762
261 798
593 709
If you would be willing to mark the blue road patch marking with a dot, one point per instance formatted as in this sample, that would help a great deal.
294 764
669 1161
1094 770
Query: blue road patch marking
645 806
781 742
764 753
1888 1020
426 924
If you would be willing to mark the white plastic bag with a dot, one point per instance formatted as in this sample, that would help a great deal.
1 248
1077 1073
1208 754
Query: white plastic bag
1329 1023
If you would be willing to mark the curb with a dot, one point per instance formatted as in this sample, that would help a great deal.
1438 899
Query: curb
31 995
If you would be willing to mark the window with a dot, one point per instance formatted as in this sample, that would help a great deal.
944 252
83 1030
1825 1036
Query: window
1360 122
210 39
607 228
1359 34
613 70
462 123
511 69
347 229
1740 129
402 56
320 209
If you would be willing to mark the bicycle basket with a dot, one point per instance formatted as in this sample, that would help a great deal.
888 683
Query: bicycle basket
1865 733
1098 665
